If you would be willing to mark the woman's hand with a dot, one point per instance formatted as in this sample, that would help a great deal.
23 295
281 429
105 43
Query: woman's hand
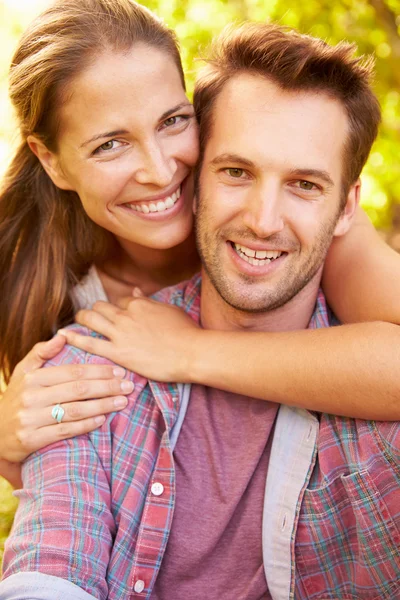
145 336
26 423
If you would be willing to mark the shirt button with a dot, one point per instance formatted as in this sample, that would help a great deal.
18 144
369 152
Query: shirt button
139 586
157 489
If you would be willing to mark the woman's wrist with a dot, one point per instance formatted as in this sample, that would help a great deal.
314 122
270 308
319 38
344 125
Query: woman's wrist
192 363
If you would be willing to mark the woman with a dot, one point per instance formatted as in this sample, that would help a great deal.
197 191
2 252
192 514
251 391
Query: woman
98 200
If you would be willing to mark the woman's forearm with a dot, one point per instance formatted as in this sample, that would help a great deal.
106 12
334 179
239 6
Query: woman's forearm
351 370
361 277
11 472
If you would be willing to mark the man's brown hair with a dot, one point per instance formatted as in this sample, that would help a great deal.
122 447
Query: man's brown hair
295 62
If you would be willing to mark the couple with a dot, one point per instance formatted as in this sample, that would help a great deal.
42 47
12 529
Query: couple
195 492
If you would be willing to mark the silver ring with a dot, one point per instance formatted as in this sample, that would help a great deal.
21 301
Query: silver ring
57 413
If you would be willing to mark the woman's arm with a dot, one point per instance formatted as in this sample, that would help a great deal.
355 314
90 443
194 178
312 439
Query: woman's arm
361 277
350 370
26 424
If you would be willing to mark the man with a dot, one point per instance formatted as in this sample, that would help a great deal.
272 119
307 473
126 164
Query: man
168 499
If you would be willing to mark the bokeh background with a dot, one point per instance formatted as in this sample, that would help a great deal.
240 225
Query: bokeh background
374 25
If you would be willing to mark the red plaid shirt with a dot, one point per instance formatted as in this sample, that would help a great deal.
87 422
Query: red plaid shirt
97 510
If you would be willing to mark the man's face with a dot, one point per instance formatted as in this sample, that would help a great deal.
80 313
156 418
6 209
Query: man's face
270 191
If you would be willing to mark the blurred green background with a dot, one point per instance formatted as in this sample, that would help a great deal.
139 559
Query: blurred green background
374 25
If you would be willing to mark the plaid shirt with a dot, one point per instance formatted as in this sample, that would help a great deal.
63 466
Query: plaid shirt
97 510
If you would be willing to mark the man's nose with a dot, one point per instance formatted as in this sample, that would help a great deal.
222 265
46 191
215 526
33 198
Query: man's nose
156 166
263 213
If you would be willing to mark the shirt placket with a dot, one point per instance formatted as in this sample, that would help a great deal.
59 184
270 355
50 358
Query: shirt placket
159 504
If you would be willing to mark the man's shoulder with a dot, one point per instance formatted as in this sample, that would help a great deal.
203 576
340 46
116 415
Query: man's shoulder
322 316
186 295
70 354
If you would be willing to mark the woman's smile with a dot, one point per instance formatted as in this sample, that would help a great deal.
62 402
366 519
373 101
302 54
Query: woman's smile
143 170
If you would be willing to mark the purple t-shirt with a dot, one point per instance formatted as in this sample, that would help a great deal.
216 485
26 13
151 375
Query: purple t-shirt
221 458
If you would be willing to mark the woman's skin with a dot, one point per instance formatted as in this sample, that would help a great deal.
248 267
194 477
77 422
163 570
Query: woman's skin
273 366
128 141
138 94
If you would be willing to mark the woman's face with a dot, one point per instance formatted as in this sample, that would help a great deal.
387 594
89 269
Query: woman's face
127 146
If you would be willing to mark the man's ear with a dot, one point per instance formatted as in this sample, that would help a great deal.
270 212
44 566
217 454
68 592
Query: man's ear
194 204
347 215
49 161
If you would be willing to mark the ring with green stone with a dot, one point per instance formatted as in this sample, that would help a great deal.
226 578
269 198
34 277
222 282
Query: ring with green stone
57 413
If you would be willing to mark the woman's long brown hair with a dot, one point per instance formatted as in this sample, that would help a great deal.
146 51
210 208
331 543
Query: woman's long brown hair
47 242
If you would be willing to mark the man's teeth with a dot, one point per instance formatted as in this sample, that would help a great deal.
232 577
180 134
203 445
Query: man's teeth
256 257
159 206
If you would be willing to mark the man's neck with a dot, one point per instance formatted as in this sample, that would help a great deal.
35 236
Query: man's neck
295 314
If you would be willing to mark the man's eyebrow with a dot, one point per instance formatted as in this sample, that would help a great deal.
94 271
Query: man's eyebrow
231 158
110 134
315 173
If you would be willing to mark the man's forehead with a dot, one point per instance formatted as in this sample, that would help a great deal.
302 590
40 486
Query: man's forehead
254 113
252 92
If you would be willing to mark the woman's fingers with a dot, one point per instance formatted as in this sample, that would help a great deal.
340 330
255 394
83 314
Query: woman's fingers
94 320
66 373
107 310
59 431
88 343
80 411
69 392
39 354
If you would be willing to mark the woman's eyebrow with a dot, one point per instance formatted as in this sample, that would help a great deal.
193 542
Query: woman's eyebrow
107 134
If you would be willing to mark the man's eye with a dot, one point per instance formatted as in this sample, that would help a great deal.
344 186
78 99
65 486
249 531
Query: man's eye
306 185
237 173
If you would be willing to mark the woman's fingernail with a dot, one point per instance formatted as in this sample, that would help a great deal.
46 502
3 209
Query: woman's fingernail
120 402
99 420
127 386
62 332
119 372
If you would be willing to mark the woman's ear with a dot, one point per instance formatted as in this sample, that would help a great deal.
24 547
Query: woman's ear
49 162
349 210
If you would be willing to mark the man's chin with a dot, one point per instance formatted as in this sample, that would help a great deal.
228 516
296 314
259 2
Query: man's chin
248 301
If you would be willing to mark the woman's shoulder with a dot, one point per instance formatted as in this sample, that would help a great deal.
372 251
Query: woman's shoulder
89 290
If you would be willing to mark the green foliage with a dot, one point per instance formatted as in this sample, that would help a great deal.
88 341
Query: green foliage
373 25
8 505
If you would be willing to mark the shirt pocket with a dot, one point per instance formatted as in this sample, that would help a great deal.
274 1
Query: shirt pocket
347 543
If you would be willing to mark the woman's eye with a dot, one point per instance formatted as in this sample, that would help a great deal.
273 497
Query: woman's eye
236 173
176 120
170 121
107 146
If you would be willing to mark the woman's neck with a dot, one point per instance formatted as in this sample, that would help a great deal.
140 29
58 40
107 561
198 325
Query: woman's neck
149 269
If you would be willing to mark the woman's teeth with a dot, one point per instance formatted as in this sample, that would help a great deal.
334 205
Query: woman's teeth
256 257
158 206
